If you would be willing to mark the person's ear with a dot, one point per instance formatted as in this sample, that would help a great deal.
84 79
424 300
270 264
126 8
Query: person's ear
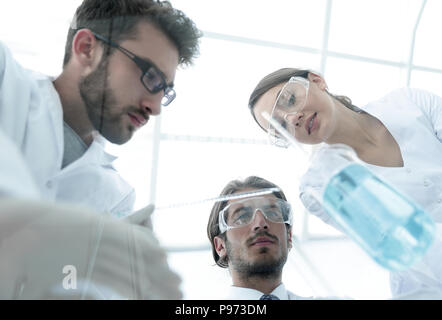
86 49
318 80
220 246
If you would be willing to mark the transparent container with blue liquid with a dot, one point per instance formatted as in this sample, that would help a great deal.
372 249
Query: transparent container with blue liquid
390 227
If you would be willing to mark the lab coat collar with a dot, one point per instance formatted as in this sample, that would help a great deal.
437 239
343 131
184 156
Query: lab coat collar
56 111
239 293
107 158
96 152
94 155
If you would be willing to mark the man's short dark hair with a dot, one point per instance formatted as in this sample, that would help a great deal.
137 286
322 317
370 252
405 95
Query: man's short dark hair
252 182
117 20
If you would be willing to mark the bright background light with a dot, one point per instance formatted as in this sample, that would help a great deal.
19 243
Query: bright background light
207 137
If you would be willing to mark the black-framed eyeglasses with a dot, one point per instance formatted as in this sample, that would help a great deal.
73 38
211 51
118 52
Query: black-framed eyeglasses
151 77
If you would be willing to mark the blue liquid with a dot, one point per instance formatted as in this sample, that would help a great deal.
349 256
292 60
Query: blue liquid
393 230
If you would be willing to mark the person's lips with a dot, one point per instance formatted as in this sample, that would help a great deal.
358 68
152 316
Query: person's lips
310 125
137 119
262 241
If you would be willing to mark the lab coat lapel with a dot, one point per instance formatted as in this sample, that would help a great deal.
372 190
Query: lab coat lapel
56 114
94 155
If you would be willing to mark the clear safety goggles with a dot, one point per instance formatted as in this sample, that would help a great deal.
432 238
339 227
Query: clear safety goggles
290 100
241 213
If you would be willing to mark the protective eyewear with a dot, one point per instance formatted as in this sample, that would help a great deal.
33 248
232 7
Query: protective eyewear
290 100
241 213
151 77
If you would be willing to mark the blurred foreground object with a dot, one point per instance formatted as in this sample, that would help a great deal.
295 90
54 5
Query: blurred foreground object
64 252
142 217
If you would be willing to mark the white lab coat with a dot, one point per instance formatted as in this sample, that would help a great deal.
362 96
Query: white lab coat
31 116
15 178
414 118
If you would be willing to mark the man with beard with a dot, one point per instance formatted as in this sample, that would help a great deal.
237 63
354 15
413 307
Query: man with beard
252 235
250 231
118 71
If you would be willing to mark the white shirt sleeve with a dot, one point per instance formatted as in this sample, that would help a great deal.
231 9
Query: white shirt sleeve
15 175
16 91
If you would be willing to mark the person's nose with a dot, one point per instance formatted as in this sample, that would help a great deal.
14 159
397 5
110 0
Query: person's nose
295 119
151 103
259 221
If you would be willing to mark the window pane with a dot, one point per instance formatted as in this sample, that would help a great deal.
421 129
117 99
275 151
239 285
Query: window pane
212 96
378 29
35 31
428 50
278 21
134 162
429 81
335 268
362 82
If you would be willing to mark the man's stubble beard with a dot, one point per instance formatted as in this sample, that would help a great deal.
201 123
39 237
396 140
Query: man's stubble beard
264 269
99 100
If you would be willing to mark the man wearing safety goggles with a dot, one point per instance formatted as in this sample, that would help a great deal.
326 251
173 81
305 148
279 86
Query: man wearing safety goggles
252 237
118 72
